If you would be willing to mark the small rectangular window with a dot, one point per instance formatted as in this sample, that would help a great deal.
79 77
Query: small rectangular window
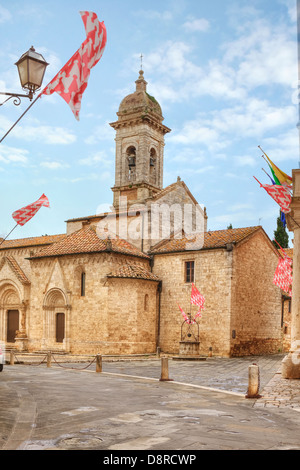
82 284
189 271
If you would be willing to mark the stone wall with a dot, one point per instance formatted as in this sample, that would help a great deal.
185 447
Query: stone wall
212 278
256 302
109 319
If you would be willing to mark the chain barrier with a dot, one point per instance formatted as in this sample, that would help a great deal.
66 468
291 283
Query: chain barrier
19 361
32 363
77 368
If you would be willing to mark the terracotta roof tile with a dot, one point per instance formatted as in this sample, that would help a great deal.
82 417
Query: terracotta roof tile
16 268
134 271
32 241
86 240
208 240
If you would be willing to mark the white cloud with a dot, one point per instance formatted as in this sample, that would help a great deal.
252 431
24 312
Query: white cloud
100 133
245 160
5 15
181 79
240 206
200 24
263 54
218 129
155 15
292 9
284 146
99 158
13 155
105 176
45 134
51 165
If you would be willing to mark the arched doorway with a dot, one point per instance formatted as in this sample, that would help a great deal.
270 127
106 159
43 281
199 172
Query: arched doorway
55 321
12 325
10 312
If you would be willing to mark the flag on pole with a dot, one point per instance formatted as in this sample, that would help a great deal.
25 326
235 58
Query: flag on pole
22 216
71 81
283 277
280 194
279 176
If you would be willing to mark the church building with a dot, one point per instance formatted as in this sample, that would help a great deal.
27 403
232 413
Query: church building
115 283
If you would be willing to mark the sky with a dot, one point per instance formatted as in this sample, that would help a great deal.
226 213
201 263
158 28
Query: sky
224 72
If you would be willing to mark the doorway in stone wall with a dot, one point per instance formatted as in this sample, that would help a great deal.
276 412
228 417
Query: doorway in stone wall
60 327
12 325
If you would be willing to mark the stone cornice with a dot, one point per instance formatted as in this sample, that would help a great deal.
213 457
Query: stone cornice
137 120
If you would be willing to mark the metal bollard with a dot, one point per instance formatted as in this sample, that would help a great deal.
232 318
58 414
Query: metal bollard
164 369
98 363
12 358
253 382
49 359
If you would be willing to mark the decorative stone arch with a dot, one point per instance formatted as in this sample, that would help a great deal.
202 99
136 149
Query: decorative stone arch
56 308
11 301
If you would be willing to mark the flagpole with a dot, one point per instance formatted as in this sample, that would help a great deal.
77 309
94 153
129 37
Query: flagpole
8 234
20 118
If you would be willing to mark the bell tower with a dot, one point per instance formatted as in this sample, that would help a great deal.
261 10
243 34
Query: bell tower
139 146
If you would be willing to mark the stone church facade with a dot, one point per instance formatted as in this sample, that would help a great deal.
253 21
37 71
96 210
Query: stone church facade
113 283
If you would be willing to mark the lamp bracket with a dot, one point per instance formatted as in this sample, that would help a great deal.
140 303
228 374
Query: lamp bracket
17 97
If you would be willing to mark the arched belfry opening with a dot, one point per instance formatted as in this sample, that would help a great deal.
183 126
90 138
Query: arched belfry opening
140 141
131 159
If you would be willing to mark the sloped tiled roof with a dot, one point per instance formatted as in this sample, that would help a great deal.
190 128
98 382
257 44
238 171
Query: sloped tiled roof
134 271
288 251
31 241
16 268
86 240
208 240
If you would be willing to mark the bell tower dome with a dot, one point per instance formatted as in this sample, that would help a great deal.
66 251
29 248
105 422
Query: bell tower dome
139 146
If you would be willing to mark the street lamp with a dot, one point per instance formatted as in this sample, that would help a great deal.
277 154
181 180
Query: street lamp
31 68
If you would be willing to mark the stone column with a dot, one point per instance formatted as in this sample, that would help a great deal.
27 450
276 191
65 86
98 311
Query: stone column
291 363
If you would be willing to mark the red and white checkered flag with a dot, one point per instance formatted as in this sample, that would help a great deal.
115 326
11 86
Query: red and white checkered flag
280 194
71 81
186 318
283 277
22 216
197 298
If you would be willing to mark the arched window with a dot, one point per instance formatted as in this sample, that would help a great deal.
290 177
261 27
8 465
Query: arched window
82 288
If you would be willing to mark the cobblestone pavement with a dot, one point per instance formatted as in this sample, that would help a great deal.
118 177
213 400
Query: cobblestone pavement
127 407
